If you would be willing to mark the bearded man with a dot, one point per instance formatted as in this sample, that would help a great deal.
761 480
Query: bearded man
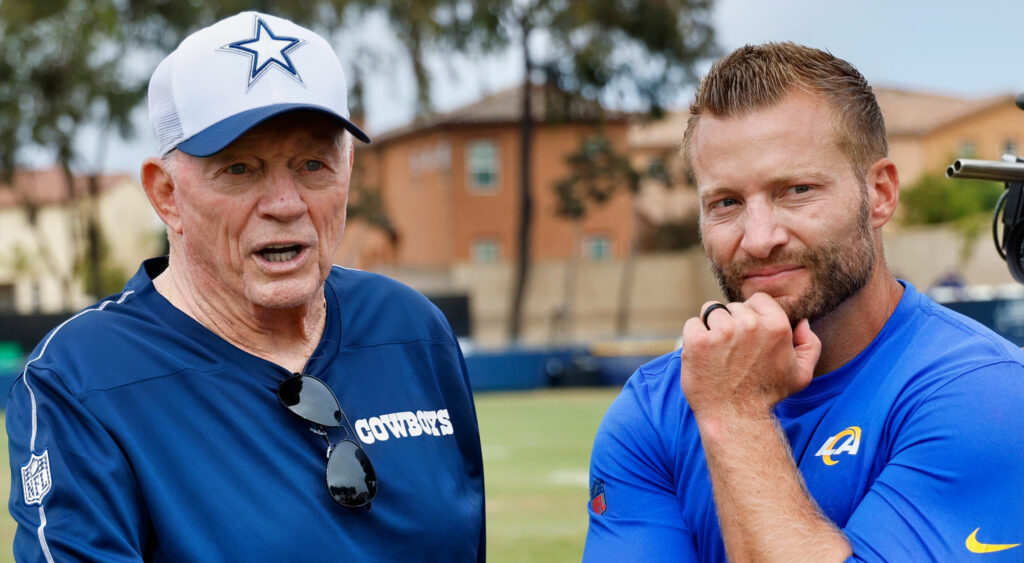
828 410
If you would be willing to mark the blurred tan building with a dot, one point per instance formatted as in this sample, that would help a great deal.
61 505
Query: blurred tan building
450 185
928 131
41 233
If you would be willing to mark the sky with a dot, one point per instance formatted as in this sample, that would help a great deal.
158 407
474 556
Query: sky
969 49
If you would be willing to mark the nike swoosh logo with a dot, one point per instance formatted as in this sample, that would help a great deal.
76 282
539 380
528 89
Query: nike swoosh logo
975 546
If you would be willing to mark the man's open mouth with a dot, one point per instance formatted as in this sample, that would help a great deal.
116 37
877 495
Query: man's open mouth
280 252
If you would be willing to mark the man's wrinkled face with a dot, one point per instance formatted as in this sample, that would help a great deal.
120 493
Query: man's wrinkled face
781 209
261 220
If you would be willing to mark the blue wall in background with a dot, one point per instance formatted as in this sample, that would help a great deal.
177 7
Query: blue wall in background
512 369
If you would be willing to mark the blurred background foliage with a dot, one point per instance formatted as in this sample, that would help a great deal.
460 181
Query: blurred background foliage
967 205
67 66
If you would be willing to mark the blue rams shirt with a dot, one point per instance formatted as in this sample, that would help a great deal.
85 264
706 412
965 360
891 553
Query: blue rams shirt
136 433
913 449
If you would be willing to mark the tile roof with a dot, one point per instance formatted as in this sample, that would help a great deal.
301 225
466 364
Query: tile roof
504 107
914 113
46 187
906 113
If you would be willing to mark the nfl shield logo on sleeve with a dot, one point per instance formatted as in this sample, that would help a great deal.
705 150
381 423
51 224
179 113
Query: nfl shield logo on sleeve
35 478
598 502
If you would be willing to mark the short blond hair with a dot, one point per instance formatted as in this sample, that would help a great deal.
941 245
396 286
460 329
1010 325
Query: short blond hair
756 77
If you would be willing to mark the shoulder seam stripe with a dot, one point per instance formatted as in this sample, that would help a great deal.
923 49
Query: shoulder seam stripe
40 532
46 343
42 537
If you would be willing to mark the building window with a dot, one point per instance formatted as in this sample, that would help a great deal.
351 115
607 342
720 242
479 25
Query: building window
443 156
485 251
6 297
429 159
414 164
1010 147
597 247
656 168
482 166
967 149
36 299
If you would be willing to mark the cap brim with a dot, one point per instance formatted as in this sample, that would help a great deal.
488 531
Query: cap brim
216 137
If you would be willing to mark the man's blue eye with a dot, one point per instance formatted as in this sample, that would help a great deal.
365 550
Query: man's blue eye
237 169
314 165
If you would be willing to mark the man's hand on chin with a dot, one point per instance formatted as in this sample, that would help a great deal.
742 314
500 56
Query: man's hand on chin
746 359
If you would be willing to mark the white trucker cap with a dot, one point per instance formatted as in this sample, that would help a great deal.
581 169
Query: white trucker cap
225 79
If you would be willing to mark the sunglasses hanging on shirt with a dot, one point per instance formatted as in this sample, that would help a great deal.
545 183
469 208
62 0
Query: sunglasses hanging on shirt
351 480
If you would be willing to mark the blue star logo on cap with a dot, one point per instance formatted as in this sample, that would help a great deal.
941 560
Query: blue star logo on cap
265 51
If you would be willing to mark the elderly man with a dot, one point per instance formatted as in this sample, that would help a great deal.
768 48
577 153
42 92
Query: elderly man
243 399
828 410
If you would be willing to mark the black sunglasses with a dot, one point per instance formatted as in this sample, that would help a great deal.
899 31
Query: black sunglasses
351 480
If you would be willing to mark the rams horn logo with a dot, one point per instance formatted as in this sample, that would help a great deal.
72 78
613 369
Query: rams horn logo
848 446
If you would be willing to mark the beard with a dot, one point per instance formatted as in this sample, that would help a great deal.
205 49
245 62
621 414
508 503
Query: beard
838 267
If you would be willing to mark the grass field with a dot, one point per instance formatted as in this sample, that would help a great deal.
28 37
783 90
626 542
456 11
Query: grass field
536 450
536 453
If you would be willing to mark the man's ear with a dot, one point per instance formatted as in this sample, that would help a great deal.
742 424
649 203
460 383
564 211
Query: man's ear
883 183
160 188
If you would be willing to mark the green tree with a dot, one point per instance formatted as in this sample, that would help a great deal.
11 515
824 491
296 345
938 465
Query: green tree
965 204
598 172
933 200
675 234
68 65
112 276
639 53
59 69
